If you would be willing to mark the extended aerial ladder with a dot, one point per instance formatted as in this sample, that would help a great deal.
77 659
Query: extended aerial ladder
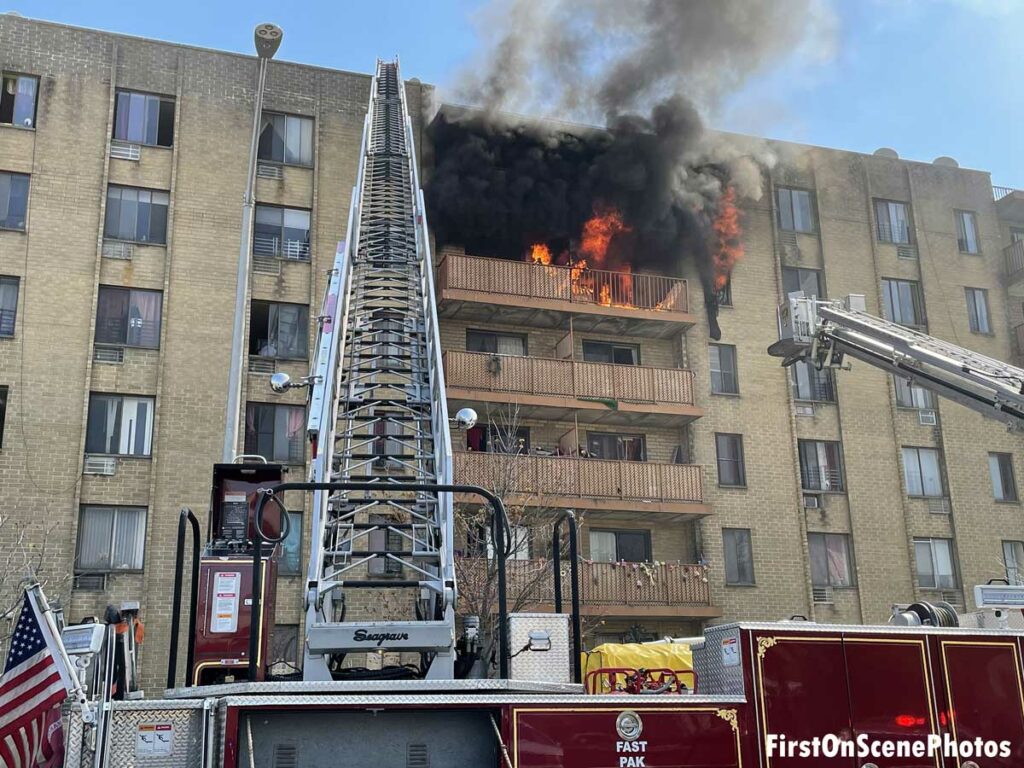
381 574
825 332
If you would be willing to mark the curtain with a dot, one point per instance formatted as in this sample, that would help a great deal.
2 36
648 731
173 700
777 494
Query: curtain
129 538
785 200
839 570
129 214
94 538
944 578
602 546
25 102
287 329
511 345
144 319
925 566
931 476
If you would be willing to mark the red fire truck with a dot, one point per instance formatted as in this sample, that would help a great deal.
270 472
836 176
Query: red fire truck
925 691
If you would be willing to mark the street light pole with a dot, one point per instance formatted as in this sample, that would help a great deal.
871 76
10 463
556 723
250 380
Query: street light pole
268 40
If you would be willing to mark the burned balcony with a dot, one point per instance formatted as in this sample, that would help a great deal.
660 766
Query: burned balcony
675 590
552 389
546 295
584 483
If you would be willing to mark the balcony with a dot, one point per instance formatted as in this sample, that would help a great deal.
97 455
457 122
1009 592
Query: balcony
592 484
669 590
545 296
1013 255
596 393
1018 335
1009 203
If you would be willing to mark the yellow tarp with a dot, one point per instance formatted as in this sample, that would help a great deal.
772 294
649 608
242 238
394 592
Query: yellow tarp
674 656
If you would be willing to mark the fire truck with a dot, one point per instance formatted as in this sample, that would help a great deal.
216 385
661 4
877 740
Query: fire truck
389 677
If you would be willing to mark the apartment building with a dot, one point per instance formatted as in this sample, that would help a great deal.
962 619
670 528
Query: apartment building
711 483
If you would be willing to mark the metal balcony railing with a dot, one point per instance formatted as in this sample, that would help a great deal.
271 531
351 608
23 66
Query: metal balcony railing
1000 192
1014 255
603 585
568 378
897 232
561 476
296 250
569 284
821 479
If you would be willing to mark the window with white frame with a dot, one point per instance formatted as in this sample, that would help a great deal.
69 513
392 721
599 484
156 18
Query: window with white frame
1013 559
281 232
8 305
1000 470
279 330
18 100
902 303
739 556
119 425
831 562
795 209
608 546
821 465
286 139
912 396
143 118
136 215
977 310
110 538
496 343
922 472
724 375
967 231
607 352
936 563
13 201
893 222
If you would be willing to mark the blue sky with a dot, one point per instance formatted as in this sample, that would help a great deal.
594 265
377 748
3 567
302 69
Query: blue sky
926 77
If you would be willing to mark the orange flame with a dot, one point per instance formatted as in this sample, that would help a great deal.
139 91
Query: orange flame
598 232
728 247
540 254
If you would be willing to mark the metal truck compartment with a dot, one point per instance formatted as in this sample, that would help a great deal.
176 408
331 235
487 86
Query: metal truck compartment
384 738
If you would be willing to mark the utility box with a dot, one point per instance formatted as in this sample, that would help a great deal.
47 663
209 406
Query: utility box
540 647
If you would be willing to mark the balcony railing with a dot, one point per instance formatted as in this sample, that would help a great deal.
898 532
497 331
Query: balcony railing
1014 255
582 286
568 378
7 318
1000 192
602 585
265 245
562 476
1018 332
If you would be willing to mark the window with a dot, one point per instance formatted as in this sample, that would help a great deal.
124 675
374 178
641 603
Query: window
492 438
3 412
279 330
496 343
18 100
144 119
276 432
384 538
119 425
286 139
967 231
724 296
977 310
922 472
13 201
1000 469
811 384
729 451
606 352
1013 558
831 564
808 281
901 302
284 649
607 445
912 396
821 465
291 547
620 546
796 210
724 378
129 317
1016 234
138 215
111 539
8 305
893 220
479 542
935 563
739 556
281 232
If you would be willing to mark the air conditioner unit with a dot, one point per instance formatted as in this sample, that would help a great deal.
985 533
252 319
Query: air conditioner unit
803 409
262 365
788 245
905 251
266 265
99 465
938 506
90 582
269 171
115 249
927 417
813 501
822 595
102 353
124 150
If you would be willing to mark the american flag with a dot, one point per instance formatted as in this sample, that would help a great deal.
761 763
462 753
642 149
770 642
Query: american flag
34 682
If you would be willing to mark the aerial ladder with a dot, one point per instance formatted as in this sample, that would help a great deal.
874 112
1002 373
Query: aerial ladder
381 574
824 333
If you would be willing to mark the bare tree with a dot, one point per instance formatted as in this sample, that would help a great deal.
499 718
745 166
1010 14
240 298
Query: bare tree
531 519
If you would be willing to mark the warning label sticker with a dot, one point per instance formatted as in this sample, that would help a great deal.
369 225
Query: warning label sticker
154 740
224 605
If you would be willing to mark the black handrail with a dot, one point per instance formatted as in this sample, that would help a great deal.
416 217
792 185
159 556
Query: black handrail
179 561
499 523
574 586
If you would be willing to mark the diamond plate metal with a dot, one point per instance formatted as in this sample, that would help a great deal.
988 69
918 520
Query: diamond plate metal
375 687
550 666
713 677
